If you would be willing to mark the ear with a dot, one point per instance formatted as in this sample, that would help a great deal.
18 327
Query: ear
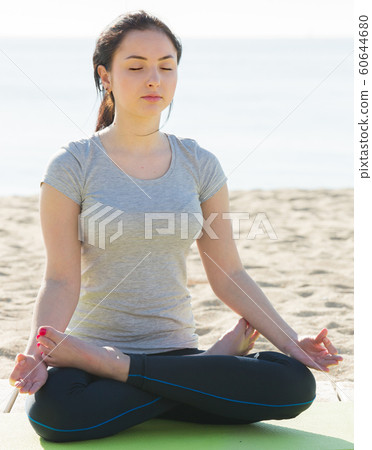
104 75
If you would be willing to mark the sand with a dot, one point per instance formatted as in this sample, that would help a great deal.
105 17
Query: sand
307 272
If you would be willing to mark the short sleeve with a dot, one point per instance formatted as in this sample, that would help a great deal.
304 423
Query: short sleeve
211 174
64 173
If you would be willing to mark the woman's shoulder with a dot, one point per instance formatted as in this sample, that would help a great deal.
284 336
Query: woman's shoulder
78 149
185 141
79 146
193 147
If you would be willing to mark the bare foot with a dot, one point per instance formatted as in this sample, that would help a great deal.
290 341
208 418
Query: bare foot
237 341
62 350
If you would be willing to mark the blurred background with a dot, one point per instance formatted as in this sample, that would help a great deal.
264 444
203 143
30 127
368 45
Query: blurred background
266 86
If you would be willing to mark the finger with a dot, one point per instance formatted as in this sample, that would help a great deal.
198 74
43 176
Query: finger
320 367
335 357
321 335
328 363
255 335
19 383
15 375
329 346
25 388
333 361
20 359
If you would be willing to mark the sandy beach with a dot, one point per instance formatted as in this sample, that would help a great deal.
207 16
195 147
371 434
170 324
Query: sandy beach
306 271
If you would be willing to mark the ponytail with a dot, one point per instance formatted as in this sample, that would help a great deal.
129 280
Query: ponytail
106 111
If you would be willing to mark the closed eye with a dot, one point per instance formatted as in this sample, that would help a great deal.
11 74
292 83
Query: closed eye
140 68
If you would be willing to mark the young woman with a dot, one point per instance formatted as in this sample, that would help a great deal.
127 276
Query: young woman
115 277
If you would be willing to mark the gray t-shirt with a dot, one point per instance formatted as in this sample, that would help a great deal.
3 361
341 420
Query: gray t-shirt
135 236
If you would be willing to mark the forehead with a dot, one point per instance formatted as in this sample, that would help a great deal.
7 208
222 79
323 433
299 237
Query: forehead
147 43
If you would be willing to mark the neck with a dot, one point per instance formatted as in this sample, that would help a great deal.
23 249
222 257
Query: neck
132 134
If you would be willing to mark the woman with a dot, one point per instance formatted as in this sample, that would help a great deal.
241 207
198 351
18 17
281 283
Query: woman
118 287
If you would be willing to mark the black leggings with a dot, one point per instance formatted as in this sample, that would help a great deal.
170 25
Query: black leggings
74 405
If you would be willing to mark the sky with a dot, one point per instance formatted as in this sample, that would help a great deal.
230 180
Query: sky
192 18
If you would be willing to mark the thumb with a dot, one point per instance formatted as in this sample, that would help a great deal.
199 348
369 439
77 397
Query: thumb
21 359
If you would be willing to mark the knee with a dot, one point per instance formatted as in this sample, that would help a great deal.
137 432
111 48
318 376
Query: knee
48 416
51 409
295 380
301 386
305 382
40 409
297 389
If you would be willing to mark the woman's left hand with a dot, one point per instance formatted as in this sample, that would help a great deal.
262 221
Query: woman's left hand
316 352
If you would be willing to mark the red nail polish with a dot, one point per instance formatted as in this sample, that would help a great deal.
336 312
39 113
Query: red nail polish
38 344
43 331
37 337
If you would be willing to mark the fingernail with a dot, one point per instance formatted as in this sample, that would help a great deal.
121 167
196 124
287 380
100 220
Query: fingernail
38 344
37 337
43 331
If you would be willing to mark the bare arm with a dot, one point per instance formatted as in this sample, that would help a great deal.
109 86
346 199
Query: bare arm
60 287
229 280
232 284
245 297
55 304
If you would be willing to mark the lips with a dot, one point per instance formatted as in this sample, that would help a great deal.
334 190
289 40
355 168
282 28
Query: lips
152 98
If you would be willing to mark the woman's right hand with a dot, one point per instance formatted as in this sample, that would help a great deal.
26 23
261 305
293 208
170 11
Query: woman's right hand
29 374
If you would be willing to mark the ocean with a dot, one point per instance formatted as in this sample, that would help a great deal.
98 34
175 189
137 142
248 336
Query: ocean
278 113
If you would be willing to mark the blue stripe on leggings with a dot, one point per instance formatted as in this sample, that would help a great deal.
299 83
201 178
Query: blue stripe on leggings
223 398
94 426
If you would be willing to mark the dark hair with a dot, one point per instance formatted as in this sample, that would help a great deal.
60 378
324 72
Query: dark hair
106 45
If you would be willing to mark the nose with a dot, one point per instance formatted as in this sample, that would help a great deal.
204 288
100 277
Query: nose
154 79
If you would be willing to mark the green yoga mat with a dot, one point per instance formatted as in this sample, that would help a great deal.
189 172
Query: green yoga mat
325 426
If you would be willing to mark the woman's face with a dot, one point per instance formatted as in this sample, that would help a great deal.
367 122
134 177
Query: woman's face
145 63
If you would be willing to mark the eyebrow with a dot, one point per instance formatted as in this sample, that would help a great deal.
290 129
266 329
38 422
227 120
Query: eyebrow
145 59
